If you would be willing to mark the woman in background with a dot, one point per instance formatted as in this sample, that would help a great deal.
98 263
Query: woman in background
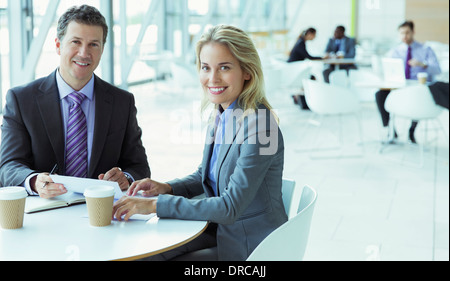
299 53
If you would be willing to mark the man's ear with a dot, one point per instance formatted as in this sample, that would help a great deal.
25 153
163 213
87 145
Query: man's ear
58 46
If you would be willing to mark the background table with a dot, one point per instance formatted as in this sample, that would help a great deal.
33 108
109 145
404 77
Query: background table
65 234
336 61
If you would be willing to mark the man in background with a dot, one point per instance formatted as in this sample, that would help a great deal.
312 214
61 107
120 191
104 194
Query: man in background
417 58
341 45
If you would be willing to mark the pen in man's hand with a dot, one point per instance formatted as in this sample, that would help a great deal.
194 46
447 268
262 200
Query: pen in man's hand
55 168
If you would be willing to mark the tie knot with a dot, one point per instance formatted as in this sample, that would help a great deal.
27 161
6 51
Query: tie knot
77 97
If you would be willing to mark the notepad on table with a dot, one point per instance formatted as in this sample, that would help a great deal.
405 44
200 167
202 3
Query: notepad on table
37 204
75 189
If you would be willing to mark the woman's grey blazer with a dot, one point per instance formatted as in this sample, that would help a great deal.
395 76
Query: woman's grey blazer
249 177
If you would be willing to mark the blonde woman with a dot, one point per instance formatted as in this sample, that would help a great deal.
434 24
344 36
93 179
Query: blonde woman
241 171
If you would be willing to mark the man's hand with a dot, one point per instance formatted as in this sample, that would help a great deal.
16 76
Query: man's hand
45 187
416 63
116 174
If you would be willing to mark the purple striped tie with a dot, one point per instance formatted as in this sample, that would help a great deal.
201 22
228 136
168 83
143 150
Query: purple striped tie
407 66
76 143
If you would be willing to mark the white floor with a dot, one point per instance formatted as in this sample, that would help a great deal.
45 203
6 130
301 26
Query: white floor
371 205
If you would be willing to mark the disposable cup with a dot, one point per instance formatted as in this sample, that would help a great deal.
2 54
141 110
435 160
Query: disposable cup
12 207
422 77
99 200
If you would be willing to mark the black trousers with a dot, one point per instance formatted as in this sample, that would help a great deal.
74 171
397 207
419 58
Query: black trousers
381 97
440 92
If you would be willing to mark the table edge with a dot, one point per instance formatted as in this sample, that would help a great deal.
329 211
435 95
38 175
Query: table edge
142 256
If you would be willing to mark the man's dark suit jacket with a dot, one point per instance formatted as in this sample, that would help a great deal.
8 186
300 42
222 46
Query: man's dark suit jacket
350 47
33 134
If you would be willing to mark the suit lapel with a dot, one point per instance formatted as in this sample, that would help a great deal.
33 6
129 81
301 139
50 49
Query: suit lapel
103 111
48 103
207 154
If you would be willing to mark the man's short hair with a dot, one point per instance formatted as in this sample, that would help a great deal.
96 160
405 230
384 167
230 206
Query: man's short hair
341 28
83 14
409 24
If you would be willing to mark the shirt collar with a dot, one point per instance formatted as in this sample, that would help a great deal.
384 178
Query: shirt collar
225 113
65 90
413 45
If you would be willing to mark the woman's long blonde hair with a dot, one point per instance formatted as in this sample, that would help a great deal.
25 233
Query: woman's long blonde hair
243 49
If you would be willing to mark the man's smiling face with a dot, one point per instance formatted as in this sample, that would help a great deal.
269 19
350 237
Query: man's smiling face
80 51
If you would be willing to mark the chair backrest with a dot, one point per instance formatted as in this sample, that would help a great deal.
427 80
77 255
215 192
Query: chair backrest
339 78
323 98
414 102
287 190
293 73
288 242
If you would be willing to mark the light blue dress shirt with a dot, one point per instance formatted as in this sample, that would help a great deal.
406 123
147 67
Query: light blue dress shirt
421 53
221 123
341 44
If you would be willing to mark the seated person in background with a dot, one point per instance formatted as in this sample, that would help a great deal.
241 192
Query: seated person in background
299 53
340 44
417 58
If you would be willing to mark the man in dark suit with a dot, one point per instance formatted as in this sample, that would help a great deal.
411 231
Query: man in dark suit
42 120
341 44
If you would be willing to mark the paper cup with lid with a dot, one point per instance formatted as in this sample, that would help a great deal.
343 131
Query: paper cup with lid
12 207
100 201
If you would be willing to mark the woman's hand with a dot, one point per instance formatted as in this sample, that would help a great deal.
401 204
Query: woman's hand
149 188
128 206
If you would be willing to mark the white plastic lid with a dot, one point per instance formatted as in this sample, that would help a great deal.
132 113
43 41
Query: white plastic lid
100 191
12 193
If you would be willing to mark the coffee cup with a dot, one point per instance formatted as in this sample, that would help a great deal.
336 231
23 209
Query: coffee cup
100 201
12 207
422 77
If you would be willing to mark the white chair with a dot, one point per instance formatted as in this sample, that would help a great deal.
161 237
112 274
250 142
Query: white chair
293 74
289 241
329 100
317 67
339 77
287 191
414 103
444 76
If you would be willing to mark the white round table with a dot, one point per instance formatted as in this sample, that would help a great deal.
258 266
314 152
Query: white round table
65 234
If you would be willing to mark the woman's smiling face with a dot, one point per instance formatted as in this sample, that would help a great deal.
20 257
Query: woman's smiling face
221 75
